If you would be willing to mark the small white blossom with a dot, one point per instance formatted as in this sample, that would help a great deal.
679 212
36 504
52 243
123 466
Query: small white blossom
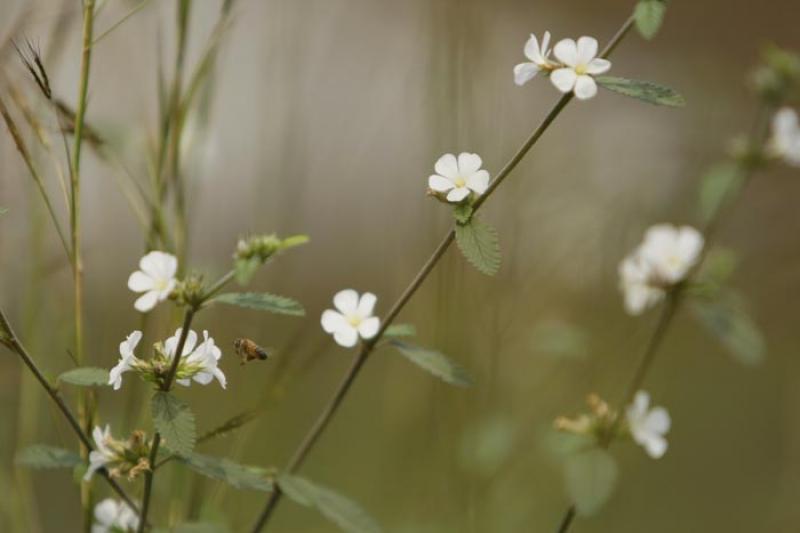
352 317
103 454
663 260
155 278
785 142
457 177
580 64
127 359
648 426
524 72
199 364
113 516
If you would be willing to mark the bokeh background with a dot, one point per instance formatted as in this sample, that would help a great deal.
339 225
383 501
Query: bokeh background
326 117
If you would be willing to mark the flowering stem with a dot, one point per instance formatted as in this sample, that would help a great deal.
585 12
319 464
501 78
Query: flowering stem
367 347
10 340
674 298
218 285
165 386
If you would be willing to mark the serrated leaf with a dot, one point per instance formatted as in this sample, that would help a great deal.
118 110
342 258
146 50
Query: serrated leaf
294 240
478 242
649 15
727 319
342 511
262 301
719 184
245 269
590 477
649 92
400 330
174 421
236 475
85 377
44 456
463 213
434 362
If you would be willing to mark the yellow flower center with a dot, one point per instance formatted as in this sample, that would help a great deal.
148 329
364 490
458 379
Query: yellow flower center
459 182
161 284
354 320
580 70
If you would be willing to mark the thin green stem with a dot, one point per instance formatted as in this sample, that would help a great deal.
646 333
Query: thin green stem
218 285
367 347
121 21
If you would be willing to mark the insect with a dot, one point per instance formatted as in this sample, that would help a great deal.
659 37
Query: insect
249 350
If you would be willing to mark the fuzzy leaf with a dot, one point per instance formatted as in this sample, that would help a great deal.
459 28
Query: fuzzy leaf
649 92
245 269
44 456
262 301
649 15
722 182
479 244
400 330
85 377
236 475
343 512
463 213
590 477
175 421
727 319
434 362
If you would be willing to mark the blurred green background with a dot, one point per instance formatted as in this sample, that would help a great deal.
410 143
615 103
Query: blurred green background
326 119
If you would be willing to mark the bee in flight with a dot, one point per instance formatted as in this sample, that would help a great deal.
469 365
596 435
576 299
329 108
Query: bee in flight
249 350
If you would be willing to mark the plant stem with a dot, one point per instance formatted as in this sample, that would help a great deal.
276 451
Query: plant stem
10 340
758 139
368 346
181 231
86 407
166 386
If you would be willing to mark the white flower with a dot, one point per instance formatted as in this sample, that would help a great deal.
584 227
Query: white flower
199 364
353 318
663 260
580 64
785 142
111 516
457 177
103 454
524 72
648 426
127 359
155 278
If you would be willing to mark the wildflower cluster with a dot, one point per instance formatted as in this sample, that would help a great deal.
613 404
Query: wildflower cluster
573 70
128 458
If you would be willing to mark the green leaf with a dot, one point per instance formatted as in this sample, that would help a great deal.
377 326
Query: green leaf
294 240
262 301
400 330
245 269
649 15
343 512
86 377
434 362
728 320
590 477
646 91
174 421
44 456
720 183
479 244
236 475
463 213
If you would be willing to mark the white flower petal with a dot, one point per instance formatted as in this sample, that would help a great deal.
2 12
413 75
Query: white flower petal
106 512
457 194
658 420
563 79
566 51
366 305
478 181
346 301
585 87
587 49
332 321
531 49
447 166
468 163
347 336
440 183
369 327
146 302
140 282
525 72
655 446
598 66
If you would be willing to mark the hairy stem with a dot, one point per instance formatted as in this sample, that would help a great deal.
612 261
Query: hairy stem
367 347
